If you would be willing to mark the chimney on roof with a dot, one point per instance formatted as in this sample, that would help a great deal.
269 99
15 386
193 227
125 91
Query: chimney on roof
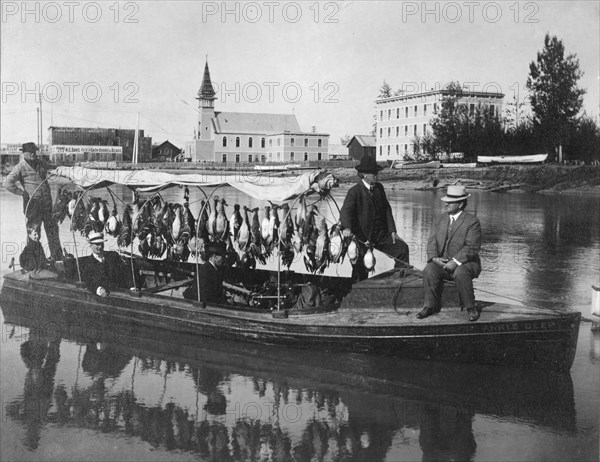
314 129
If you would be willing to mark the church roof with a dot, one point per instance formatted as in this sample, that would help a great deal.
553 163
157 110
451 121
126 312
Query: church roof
254 123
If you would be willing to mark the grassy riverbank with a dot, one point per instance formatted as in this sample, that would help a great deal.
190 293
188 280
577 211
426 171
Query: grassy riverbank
547 178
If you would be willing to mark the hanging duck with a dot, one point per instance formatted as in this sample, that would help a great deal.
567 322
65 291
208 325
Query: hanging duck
221 222
235 222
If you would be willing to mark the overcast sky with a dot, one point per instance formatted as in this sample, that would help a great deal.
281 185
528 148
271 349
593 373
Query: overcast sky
102 63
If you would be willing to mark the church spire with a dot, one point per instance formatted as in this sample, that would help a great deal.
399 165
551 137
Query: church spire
206 91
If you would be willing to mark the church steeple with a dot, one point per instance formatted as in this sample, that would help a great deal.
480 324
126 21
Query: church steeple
206 94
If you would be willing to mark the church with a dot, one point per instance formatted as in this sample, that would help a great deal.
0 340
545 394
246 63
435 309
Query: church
249 137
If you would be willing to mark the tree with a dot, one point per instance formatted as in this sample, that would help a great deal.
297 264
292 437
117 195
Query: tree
555 97
345 139
444 125
385 91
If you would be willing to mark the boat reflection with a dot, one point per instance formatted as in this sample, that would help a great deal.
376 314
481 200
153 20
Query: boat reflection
255 402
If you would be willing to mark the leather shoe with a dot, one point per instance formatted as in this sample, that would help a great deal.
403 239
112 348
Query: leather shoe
427 311
473 314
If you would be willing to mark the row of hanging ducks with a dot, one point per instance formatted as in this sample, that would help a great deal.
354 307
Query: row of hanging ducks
170 230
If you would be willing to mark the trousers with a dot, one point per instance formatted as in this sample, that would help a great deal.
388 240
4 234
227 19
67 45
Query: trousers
40 211
433 284
398 250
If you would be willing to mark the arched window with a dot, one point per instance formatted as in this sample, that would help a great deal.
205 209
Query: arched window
237 141
262 142
250 142
224 141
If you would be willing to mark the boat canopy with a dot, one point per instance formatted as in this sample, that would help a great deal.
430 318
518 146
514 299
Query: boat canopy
262 186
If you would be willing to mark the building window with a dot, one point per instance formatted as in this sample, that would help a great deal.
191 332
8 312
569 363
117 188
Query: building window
389 131
270 142
263 158
278 155
306 156
389 114
278 141
381 133
319 156
319 142
424 129
492 110
270 156
237 158
224 141
224 157
424 109
415 130
397 131
435 108
291 155
291 141
262 142
237 141
305 142
406 112
249 157
406 149
397 150
415 111
388 149
380 115
471 109
250 142
406 130
397 113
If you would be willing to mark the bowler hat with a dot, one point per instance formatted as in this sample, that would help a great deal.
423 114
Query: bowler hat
29 147
96 238
455 193
215 248
368 165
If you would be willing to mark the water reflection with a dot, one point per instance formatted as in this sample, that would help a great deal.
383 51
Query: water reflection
234 401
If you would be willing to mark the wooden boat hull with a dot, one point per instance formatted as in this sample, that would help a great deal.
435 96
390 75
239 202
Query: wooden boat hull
505 334
531 159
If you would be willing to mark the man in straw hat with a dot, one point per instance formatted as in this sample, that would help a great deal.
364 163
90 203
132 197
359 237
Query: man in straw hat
367 214
452 253
103 271
30 175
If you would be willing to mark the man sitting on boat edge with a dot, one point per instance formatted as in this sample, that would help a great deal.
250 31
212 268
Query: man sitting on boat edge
452 254
103 271
210 275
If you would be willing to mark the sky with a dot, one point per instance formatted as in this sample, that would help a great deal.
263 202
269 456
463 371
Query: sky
100 64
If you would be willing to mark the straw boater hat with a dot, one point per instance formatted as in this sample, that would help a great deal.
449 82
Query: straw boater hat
455 194
368 165
29 147
96 238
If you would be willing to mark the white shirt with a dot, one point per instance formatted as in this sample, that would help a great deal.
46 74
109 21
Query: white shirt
367 185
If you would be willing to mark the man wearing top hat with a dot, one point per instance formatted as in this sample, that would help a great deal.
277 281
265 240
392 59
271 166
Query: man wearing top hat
30 175
210 275
103 271
367 214
452 253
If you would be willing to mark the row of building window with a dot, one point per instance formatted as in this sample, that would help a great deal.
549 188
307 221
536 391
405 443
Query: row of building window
388 149
399 111
262 142
264 157
406 131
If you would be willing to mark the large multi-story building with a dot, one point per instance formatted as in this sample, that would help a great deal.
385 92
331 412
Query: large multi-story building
249 137
80 144
402 118
10 153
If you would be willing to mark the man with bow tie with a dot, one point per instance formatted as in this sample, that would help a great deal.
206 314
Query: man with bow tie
452 253
367 214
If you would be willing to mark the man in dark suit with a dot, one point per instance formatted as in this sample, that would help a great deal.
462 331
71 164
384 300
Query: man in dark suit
103 271
452 253
210 276
367 214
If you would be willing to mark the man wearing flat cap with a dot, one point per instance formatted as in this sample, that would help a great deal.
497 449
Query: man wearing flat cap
453 254
27 179
210 276
367 214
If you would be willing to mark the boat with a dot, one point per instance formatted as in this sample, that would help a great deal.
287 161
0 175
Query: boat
416 165
458 165
375 316
529 159
277 168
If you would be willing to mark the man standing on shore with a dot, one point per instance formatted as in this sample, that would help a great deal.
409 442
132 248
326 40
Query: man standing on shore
30 174
367 214
453 254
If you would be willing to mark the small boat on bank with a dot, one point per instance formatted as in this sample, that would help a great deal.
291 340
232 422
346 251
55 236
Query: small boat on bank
529 159
277 168
376 315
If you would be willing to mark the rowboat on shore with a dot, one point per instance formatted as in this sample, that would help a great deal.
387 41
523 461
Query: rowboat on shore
530 159
375 316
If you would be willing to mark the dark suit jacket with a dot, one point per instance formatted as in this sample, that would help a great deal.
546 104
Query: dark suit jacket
358 211
112 274
463 243
211 285
33 257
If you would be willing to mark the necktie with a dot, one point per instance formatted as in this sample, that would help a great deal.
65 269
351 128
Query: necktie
450 225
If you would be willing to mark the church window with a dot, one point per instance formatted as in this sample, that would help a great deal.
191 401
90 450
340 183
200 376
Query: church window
224 141
237 141
319 142
237 158
224 157
250 142
262 142
306 156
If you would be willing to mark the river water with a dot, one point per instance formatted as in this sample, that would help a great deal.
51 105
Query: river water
149 396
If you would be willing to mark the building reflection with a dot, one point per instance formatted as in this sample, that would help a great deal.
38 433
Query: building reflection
322 406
